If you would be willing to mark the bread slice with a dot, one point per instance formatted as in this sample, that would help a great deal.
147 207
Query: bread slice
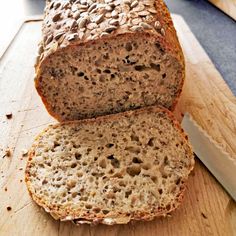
107 56
112 169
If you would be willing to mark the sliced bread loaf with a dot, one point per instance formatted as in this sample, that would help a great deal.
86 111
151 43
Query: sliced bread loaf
112 169
103 57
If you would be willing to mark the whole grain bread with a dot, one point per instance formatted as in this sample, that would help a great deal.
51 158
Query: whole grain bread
112 169
107 56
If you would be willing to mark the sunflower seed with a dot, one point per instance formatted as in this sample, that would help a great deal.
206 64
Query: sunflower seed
51 5
104 34
118 2
136 28
81 34
56 17
153 11
136 21
133 14
92 26
148 3
134 4
94 31
108 15
108 8
74 24
83 2
163 32
108 1
65 5
127 2
82 23
114 14
157 25
76 15
57 5
110 28
58 35
143 13
98 19
92 7
114 22
71 37
84 14
40 49
145 25
140 7
49 39
81 7
123 18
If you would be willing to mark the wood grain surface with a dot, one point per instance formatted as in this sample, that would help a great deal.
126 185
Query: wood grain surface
206 210
227 6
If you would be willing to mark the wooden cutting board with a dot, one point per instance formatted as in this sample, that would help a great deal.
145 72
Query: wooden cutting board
227 6
206 210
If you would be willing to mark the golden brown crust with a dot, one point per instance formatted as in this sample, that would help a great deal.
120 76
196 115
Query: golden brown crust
117 219
168 42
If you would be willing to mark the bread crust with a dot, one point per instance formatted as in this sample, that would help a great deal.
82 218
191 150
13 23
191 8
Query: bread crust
168 42
101 218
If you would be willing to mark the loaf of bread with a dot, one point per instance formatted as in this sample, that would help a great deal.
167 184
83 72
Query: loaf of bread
100 57
112 169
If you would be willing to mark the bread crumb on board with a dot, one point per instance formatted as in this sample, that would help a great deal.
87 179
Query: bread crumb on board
7 153
9 115
9 208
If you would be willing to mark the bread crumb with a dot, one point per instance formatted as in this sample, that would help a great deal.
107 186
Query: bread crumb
9 208
24 152
7 153
21 180
9 115
5 189
21 168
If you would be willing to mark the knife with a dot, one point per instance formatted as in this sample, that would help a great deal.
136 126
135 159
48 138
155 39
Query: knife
220 164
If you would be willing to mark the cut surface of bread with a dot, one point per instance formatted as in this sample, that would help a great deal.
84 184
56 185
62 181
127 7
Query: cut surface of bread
112 169
130 58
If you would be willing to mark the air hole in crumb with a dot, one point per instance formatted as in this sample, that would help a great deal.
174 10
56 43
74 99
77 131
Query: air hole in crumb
80 74
88 206
84 163
102 163
160 191
44 181
146 166
132 149
137 160
73 165
78 156
121 183
115 163
154 179
128 47
74 194
109 145
150 142
105 212
107 71
134 138
178 181
155 67
110 157
96 209
164 76
111 171
128 193
56 144
79 174
133 170
139 67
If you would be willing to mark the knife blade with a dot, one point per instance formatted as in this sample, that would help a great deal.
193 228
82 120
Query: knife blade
218 162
